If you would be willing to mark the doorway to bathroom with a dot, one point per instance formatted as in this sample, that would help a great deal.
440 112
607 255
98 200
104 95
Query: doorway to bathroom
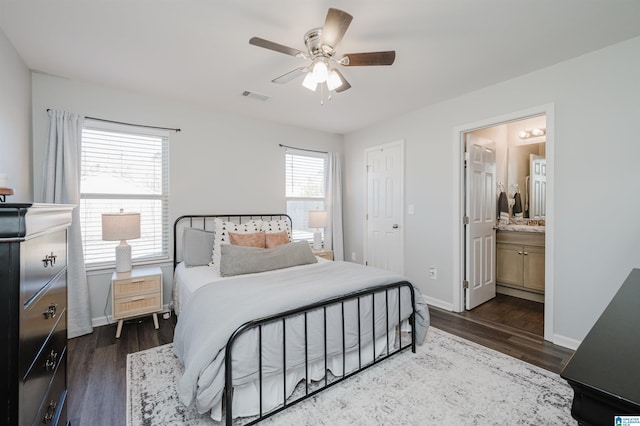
505 204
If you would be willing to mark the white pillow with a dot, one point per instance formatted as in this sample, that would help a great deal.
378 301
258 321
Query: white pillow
275 226
222 230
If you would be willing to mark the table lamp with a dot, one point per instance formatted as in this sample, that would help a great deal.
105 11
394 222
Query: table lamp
317 219
121 227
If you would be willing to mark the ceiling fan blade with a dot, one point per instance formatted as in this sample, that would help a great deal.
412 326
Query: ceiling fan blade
369 58
335 25
260 42
285 78
345 84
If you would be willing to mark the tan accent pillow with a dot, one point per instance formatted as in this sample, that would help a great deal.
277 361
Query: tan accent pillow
256 239
276 239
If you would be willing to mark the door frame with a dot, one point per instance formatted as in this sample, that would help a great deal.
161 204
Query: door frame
458 205
399 143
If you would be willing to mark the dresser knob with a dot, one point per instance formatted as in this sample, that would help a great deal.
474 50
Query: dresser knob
51 410
50 363
51 311
49 259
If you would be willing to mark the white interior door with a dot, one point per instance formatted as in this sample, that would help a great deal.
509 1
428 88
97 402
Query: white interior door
480 234
538 196
384 235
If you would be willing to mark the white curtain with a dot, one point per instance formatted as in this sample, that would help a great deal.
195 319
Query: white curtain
333 233
61 185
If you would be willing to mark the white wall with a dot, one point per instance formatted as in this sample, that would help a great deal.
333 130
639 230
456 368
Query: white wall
219 163
596 101
15 122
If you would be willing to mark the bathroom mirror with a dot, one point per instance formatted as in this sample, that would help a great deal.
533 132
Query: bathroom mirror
526 170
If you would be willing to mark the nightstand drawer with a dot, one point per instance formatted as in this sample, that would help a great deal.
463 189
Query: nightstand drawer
323 253
137 305
136 286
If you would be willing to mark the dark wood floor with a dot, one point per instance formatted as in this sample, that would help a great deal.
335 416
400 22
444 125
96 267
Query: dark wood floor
97 362
509 325
97 369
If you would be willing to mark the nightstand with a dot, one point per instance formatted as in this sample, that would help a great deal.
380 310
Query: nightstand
324 253
136 293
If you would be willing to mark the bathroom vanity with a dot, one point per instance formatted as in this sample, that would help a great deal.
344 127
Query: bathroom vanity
520 261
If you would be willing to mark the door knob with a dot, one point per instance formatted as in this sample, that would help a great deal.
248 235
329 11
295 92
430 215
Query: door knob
395 226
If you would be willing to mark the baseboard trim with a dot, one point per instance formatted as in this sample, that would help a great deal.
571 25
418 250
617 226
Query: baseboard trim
439 303
566 342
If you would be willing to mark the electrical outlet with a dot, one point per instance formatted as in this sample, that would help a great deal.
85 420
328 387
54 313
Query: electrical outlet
433 272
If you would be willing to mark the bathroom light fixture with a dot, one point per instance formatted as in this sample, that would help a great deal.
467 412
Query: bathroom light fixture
533 133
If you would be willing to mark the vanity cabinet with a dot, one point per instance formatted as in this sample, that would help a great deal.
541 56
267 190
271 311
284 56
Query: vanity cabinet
33 313
520 260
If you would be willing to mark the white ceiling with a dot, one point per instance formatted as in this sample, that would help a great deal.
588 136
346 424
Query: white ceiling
198 51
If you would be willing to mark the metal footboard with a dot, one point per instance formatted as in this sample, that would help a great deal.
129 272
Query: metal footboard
305 311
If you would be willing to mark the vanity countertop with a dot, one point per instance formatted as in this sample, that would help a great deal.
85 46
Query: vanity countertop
522 228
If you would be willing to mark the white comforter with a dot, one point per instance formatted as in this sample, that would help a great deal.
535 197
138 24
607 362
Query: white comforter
217 309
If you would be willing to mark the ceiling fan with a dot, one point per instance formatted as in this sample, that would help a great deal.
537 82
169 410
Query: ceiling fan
321 46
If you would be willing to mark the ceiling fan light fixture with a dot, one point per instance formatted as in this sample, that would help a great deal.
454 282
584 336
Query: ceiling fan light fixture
333 80
320 71
310 82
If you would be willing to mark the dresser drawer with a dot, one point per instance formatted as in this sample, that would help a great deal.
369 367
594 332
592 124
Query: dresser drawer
137 305
136 286
52 410
41 259
50 363
39 317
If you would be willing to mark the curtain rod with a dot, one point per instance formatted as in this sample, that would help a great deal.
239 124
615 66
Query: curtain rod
129 124
303 149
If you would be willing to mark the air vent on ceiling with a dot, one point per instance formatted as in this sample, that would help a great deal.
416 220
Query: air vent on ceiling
256 96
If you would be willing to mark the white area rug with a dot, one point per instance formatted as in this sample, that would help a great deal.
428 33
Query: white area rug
449 381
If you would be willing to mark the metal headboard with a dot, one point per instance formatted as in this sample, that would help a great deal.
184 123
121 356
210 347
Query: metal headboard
206 222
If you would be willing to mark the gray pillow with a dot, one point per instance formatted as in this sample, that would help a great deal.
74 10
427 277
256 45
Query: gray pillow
237 260
197 246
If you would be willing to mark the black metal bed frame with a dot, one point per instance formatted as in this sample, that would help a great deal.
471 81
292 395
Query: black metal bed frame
304 311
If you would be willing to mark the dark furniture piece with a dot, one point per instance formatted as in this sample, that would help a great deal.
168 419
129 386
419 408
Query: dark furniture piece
604 372
33 323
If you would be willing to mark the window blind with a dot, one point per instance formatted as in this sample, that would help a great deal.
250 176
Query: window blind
124 168
305 181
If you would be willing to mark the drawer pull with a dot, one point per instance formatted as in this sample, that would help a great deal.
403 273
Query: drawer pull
51 311
49 259
51 411
50 363
133 299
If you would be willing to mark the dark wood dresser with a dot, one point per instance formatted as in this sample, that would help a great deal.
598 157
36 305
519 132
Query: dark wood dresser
604 372
33 313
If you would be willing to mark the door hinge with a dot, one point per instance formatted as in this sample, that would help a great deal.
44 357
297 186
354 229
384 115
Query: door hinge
465 220
366 216
465 284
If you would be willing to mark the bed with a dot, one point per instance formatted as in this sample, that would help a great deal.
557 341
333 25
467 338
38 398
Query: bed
260 329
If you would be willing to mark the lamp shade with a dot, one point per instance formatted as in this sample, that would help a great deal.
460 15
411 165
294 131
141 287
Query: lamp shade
120 226
317 219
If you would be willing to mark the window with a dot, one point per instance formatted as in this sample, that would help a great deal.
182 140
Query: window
124 167
305 179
